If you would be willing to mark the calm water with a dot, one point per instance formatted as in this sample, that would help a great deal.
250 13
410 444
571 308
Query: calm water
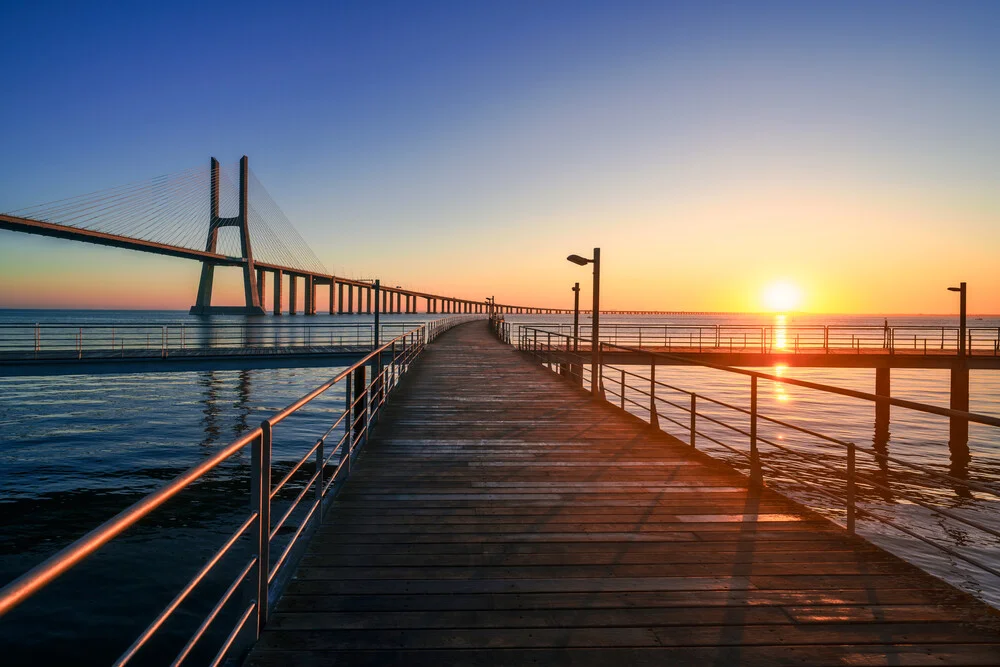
75 450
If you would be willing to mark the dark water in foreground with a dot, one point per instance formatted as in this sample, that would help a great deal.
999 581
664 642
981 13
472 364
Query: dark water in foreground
74 450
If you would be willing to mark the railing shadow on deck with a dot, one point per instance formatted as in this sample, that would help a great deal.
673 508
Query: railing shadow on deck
683 411
301 496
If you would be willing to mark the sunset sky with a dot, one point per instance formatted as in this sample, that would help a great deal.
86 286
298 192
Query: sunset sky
849 151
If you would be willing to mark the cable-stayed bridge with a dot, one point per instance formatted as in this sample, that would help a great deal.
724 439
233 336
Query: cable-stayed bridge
225 217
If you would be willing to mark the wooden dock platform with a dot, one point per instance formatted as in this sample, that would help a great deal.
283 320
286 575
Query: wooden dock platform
501 517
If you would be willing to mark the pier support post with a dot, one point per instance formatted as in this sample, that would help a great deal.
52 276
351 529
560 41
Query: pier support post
882 408
261 284
654 417
333 286
293 293
756 474
958 428
309 307
360 404
340 298
276 306
350 299
368 300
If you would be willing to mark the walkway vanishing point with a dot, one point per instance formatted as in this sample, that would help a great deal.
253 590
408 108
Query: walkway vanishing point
499 516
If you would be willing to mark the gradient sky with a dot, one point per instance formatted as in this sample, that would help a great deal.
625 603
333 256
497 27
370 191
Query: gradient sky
710 149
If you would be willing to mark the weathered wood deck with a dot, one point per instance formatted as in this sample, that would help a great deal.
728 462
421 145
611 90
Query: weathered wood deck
500 517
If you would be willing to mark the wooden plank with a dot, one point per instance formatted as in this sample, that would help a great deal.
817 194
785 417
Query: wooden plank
499 516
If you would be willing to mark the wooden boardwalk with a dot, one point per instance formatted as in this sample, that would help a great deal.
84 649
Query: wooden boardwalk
500 517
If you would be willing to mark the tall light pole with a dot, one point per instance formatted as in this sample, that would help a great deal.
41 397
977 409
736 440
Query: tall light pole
961 317
595 346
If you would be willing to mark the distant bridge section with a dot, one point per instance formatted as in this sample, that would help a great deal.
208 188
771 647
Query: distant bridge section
231 222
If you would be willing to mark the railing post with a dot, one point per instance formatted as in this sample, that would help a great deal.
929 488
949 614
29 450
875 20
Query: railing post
38 339
163 343
622 397
694 419
756 476
345 449
79 344
260 493
319 479
850 488
654 418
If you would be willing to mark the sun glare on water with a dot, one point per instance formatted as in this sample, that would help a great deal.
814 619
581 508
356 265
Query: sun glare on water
782 297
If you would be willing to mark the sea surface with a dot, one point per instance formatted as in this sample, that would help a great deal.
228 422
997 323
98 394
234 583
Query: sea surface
76 449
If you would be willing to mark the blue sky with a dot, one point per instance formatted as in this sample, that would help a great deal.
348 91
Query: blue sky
709 148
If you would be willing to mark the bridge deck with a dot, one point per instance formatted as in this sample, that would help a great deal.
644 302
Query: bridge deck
501 517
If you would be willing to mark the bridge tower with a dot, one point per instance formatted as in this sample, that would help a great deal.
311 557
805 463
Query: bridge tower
203 306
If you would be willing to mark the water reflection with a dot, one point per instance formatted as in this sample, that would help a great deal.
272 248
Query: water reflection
780 332
780 391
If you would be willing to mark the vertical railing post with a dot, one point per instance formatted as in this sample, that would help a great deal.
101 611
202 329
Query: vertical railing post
163 343
622 397
319 479
654 417
850 488
694 419
756 477
79 344
38 339
260 493
360 405
345 449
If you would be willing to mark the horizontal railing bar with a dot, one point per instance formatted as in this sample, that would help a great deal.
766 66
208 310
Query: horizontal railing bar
180 597
291 542
295 503
39 576
233 635
200 632
294 470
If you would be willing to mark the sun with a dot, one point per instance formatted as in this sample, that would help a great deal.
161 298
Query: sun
782 297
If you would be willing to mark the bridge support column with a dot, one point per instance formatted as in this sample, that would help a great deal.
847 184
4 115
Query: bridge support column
340 298
276 306
309 306
350 299
333 286
368 300
293 293
251 293
261 284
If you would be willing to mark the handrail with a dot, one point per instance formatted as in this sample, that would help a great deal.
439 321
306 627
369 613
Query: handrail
365 399
788 338
555 351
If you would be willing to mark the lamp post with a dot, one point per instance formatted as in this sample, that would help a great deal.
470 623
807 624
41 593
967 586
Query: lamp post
595 347
961 317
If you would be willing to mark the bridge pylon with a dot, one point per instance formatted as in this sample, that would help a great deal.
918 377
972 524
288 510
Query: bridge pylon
203 305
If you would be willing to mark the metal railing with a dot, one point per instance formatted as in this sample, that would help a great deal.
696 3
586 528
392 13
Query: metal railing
773 338
645 395
302 492
71 341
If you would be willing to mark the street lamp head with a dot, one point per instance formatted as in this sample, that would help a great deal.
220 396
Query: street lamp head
576 259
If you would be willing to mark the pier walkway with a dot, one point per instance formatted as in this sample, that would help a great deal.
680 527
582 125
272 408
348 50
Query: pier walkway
499 516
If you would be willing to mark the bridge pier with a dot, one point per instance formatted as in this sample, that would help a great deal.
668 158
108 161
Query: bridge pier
368 300
293 293
340 298
261 283
251 293
276 306
309 305
350 299
333 286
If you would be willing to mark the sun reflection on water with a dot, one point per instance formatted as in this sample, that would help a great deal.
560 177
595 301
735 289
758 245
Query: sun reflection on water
780 394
